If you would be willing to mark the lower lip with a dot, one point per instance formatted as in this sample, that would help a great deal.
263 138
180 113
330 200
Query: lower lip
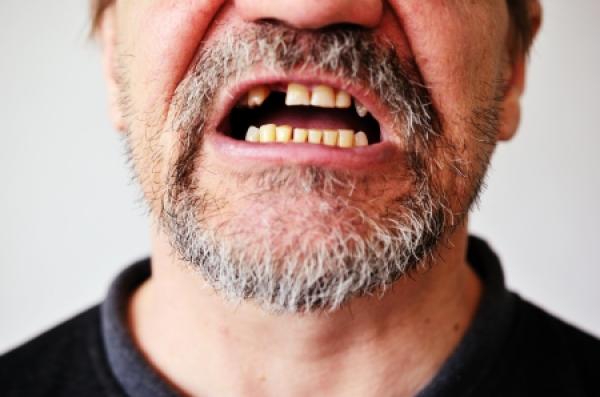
244 153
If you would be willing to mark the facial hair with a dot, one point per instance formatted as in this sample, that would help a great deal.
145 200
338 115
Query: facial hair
340 247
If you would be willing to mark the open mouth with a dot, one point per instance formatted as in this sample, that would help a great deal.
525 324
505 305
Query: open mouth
296 113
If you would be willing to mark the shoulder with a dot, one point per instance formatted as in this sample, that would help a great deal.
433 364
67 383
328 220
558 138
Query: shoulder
548 356
67 360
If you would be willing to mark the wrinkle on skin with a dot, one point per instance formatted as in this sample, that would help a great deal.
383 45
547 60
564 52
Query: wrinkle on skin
397 343
162 38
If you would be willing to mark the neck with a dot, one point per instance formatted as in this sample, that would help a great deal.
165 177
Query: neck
396 343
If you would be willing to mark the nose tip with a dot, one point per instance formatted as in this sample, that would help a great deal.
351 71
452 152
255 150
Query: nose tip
312 14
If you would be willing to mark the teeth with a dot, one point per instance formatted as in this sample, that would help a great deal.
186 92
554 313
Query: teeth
343 100
342 138
314 135
360 139
330 137
257 95
346 138
323 96
300 135
300 95
360 109
283 133
267 133
253 134
297 95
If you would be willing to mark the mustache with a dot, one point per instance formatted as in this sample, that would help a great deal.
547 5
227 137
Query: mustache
346 52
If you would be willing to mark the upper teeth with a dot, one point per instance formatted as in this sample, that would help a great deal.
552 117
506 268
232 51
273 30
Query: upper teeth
322 96
257 95
361 110
301 95
297 95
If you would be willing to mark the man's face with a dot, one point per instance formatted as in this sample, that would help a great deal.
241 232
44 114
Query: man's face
300 226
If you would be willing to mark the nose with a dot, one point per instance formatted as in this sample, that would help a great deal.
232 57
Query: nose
312 14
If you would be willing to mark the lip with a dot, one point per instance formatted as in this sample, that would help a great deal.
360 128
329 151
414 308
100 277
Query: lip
247 154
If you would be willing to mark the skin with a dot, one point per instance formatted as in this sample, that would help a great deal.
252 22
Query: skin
389 346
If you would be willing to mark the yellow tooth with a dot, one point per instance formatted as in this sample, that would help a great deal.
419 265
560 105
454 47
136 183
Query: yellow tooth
314 135
257 95
346 138
360 139
283 133
330 137
253 134
297 95
360 109
343 100
323 96
300 135
267 133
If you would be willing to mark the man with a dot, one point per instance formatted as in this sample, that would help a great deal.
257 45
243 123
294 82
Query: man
309 167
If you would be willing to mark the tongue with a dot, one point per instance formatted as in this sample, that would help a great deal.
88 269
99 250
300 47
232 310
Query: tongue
312 117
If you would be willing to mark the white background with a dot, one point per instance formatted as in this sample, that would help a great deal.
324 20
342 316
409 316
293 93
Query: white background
70 217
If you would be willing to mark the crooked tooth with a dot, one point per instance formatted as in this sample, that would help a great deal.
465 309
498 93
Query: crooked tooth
323 96
253 134
314 135
267 133
346 139
343 100
300 135
360 109
297 95
257 95
360 139
283 133
330 137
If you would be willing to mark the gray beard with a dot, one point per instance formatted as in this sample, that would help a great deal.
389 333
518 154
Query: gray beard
334 252
357 253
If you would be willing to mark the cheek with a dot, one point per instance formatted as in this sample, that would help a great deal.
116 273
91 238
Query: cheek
459 46
157 41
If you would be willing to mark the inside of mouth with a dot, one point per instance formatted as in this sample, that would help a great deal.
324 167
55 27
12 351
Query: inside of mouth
275 111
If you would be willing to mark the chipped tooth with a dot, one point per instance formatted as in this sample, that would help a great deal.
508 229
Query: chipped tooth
360 139
300 135
267 133
253 134
360 109
257 95
283 133
314 135
343 100
297 95
346 138
323 96
330 137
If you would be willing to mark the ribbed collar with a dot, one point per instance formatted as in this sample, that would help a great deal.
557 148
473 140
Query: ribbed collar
460 375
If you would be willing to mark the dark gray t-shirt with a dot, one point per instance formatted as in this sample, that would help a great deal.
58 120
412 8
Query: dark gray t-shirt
512 348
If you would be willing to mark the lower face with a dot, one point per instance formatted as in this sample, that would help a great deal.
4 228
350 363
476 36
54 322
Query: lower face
302 169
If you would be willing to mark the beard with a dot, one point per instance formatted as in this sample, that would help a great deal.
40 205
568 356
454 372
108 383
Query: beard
304 238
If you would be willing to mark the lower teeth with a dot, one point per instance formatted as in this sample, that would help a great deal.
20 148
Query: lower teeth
342 138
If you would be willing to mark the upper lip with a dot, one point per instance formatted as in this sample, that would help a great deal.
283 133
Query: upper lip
234 92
